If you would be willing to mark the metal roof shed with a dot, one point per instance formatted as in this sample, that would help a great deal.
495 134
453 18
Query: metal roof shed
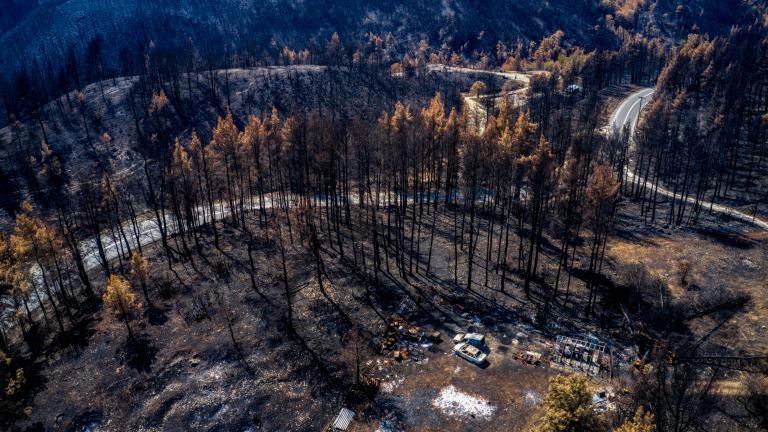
343 420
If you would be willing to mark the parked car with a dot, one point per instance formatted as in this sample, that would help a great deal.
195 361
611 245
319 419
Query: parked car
470 353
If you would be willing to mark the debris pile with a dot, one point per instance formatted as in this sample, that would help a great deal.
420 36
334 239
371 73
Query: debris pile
404 339
582 354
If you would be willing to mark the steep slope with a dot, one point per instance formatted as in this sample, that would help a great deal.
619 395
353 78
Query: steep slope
674 19
55 24
81 151
43 30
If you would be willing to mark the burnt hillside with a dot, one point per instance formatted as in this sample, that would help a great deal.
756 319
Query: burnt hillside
45 31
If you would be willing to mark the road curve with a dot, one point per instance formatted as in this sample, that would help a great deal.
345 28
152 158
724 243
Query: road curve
628 111
474 103
626 116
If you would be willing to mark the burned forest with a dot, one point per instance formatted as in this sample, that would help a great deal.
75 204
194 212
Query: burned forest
234 218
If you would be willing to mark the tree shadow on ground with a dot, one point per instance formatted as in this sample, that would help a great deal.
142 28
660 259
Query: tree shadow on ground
725 237
76 337
138 352
156 316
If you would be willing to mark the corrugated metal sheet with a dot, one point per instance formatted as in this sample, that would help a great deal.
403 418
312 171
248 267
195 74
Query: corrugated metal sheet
343 419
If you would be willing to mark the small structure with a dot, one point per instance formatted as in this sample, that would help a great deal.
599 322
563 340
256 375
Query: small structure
475 339
573 88
343 420
587 355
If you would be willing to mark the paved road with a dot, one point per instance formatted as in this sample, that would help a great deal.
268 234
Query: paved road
474 103
629 110
517 76
149 231
627 115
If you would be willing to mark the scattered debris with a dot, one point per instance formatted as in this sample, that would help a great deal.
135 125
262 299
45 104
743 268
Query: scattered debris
520 338
387 343
390 386
531 357
453 402
401 354
386 426
405 340
603 401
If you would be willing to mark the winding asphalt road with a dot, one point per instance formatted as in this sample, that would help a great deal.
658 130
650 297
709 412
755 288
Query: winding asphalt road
626 116
149 232
474 103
